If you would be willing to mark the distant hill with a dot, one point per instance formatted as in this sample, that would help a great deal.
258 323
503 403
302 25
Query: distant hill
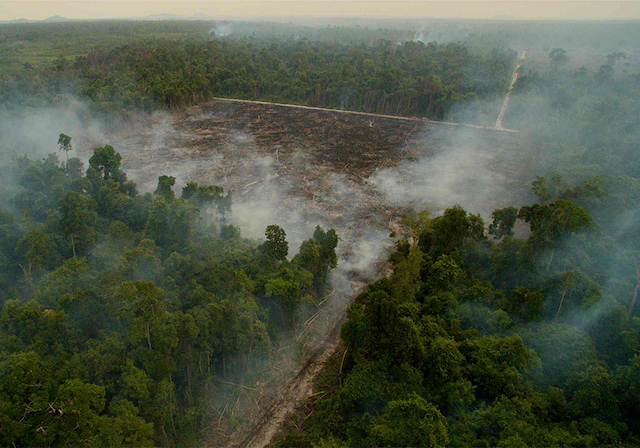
163 16
56 19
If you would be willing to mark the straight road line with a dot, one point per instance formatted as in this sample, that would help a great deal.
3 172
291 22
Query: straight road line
368 114
505 103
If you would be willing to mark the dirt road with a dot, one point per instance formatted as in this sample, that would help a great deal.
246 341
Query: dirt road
393 117
498 126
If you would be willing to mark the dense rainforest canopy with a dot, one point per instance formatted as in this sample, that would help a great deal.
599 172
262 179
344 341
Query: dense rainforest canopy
120 310
151 72
473 342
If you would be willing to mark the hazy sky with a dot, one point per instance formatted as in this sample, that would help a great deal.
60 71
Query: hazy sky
530 9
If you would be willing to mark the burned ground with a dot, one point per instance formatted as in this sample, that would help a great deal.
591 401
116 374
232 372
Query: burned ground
323 159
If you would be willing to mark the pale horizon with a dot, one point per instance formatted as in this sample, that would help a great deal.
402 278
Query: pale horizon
303 9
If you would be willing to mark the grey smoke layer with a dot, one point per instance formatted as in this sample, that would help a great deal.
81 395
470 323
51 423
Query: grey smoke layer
480 170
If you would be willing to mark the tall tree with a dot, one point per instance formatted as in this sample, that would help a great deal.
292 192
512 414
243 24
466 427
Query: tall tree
106 161
34 246
64 143
165 188
276 247
78 217
550 223
503 222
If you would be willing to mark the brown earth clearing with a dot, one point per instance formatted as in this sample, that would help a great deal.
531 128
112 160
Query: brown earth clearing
335 169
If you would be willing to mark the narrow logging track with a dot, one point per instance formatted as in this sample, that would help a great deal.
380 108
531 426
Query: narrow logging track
514 77
293 394
322 167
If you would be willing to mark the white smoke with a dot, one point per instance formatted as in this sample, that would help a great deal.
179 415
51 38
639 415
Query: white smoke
222 29
467 171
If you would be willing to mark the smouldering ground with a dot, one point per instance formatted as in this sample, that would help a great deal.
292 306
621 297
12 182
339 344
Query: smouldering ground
298 168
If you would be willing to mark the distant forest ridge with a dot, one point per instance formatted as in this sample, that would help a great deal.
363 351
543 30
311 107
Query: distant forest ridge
177 64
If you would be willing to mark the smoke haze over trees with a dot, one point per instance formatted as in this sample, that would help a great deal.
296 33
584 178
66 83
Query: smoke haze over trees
526 339
123 311
119 309
382 77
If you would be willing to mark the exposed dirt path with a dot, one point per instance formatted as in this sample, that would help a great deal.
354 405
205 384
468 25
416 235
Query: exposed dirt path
498 126
299 389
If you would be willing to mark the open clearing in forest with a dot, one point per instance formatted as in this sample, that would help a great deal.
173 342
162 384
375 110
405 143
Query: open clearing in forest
298 168
324 167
